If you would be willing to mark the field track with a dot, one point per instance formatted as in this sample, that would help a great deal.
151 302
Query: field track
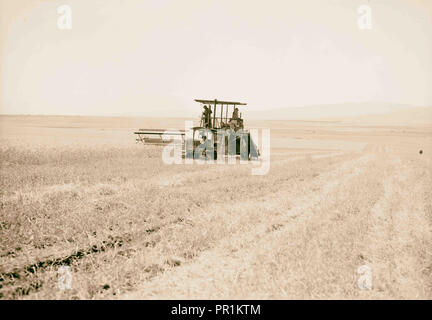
358 213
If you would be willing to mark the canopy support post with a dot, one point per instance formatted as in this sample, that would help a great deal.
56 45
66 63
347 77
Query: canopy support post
221 116
214 114
226 114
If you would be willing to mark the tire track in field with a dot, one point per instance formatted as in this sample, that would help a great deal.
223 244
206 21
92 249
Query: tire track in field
222 169
401 262
259 187
274 216
22 273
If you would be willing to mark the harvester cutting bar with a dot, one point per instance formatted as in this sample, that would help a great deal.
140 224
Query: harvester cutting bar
157 136
156 131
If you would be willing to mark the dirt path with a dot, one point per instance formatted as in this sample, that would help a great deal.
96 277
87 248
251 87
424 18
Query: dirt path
398 244
314 237
161 225
215 272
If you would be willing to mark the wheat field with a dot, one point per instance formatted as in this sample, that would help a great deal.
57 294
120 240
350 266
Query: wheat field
79 192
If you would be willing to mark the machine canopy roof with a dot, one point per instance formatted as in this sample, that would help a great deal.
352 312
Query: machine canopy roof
219 102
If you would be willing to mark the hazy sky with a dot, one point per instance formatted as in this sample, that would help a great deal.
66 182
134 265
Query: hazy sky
155 57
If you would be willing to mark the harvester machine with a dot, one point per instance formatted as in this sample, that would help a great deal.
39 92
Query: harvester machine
219 120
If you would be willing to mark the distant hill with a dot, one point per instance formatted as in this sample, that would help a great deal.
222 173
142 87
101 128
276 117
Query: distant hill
324 112
408 116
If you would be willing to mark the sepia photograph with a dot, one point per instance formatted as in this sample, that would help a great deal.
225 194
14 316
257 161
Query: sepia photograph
215 150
